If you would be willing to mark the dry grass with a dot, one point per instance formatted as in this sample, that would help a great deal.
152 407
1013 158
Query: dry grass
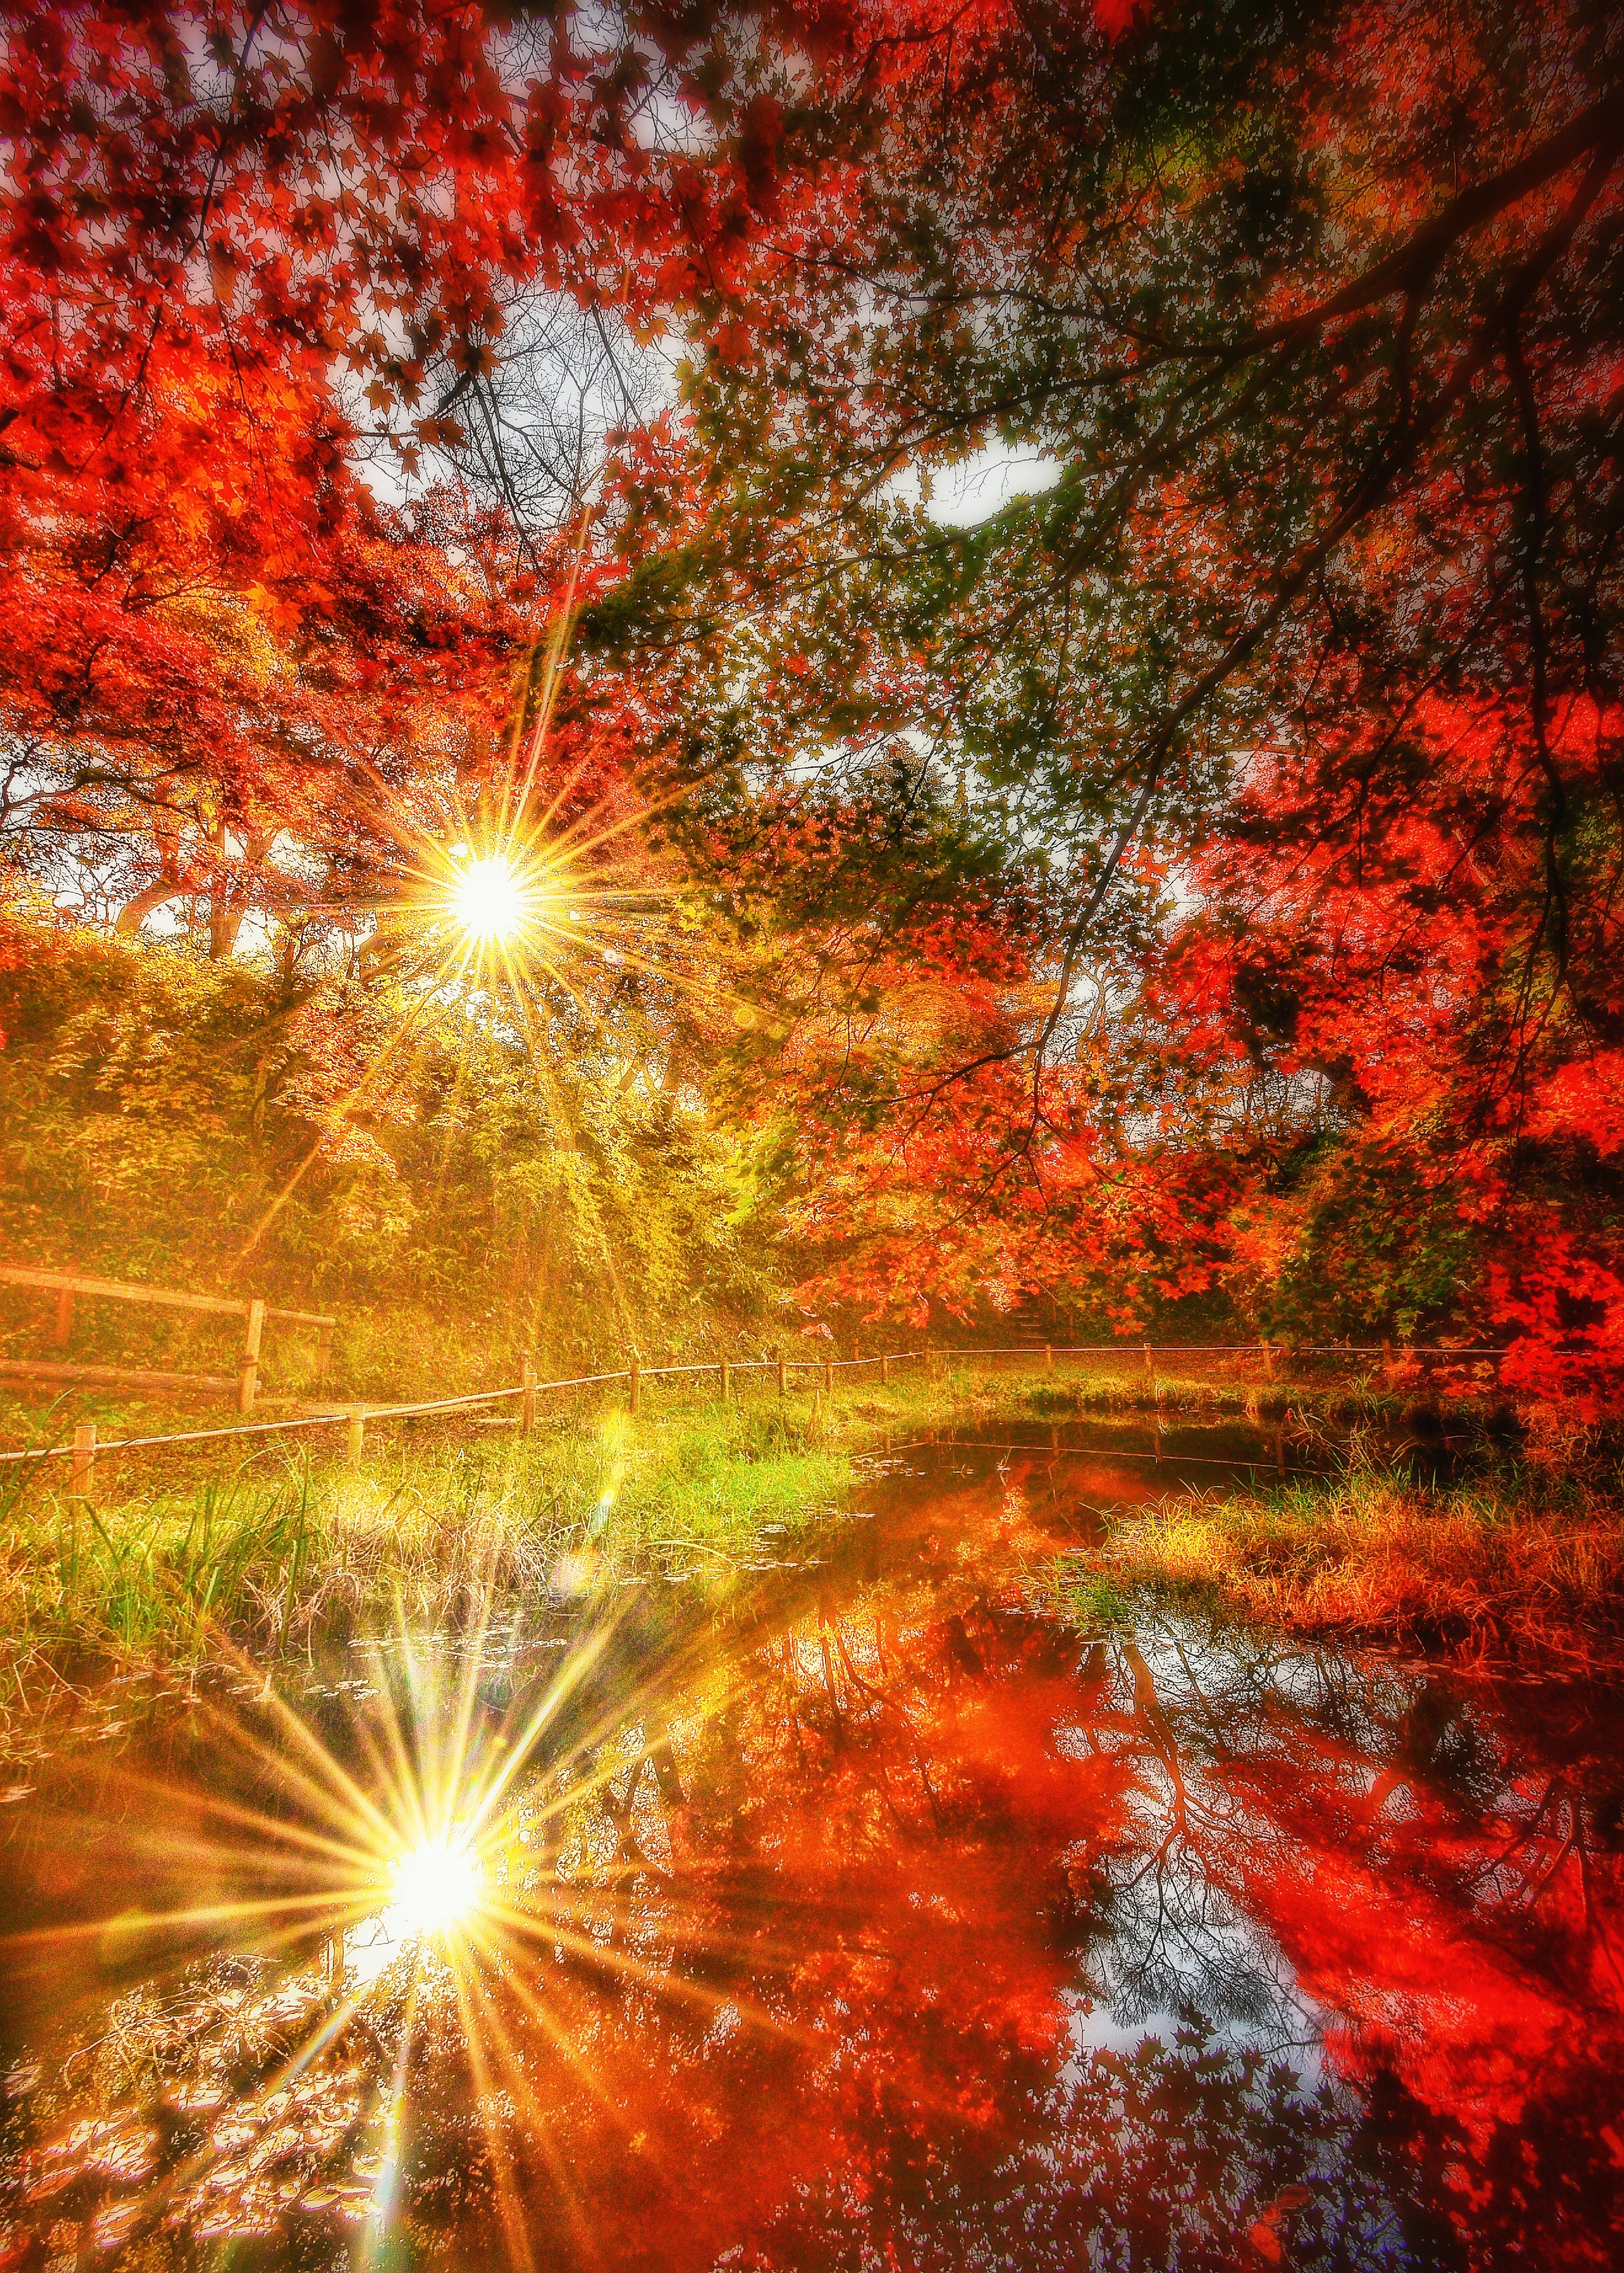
1521 1560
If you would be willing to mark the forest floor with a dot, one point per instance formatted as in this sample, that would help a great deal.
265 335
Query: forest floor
1513 1542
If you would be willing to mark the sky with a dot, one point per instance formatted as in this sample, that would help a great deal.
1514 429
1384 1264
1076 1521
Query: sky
974 490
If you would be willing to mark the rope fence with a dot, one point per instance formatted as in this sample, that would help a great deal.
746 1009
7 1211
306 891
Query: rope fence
85 1448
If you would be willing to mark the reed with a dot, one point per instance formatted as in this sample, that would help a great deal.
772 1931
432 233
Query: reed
1513 1559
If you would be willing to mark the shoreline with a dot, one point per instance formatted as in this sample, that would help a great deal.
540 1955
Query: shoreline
281 1552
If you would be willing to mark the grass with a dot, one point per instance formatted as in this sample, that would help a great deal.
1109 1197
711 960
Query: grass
183 1557
1516 1558
287 1546
179 1558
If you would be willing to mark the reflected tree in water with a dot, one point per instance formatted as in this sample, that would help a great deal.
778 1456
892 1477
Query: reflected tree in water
900 1922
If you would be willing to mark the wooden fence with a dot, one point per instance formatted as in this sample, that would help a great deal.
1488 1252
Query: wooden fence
68 1287
85 1448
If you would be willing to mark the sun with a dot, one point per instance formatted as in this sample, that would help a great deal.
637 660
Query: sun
489 900
436 1885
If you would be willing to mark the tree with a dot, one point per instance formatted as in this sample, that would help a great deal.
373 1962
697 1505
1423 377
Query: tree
245 251
1315 316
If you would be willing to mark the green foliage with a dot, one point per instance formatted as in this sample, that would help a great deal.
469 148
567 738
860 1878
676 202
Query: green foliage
326 1140
1380 1241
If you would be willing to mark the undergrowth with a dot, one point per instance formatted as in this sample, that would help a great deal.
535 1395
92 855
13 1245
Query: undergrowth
1514 1557
170 1565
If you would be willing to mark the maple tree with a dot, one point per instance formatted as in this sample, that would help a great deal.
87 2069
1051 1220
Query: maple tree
204 621
1113 900
1307 654
248 254
254 265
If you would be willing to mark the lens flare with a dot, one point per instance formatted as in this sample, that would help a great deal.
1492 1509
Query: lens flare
411 1893
489 900
436 1886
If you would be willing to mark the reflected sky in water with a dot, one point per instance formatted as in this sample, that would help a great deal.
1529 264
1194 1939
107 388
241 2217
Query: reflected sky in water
883 1912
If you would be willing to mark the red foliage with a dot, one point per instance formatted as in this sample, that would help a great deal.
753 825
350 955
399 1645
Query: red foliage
1400 950
1377 1051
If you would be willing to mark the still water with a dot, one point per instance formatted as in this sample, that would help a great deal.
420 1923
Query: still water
879 1909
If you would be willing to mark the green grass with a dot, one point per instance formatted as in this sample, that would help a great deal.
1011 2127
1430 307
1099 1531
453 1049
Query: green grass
167 1575
183 1554
289 1544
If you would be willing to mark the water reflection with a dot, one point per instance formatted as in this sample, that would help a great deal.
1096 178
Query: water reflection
881 1915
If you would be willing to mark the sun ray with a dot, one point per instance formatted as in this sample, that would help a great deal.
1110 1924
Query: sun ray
480 2030
494 1869
426 1844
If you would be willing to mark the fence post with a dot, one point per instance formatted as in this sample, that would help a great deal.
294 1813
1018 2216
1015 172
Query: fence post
357 1436
324 1354
1268 1361
783 1385
1150 1368
248 1379
84 1470
828 1375
527 1403
884 1370
728 1382
1049 1359
633 1371
65 1316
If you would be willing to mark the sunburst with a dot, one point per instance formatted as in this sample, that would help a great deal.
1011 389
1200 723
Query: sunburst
437 1884
556 910
492 901
403 1882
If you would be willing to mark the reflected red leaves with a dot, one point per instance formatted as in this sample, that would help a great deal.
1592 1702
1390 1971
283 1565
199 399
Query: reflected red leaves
901 1924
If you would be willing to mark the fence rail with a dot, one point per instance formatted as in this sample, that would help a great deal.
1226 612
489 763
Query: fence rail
172 1298
68 1286
85 1448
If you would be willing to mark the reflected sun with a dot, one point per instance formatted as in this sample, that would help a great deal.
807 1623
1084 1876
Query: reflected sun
436 1885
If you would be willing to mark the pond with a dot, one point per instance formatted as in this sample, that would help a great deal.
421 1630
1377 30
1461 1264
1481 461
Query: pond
882 1909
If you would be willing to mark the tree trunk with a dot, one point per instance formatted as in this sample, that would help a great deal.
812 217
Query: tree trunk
134 912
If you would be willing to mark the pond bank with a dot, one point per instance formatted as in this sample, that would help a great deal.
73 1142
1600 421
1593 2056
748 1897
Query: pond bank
284 1548
1512 1560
